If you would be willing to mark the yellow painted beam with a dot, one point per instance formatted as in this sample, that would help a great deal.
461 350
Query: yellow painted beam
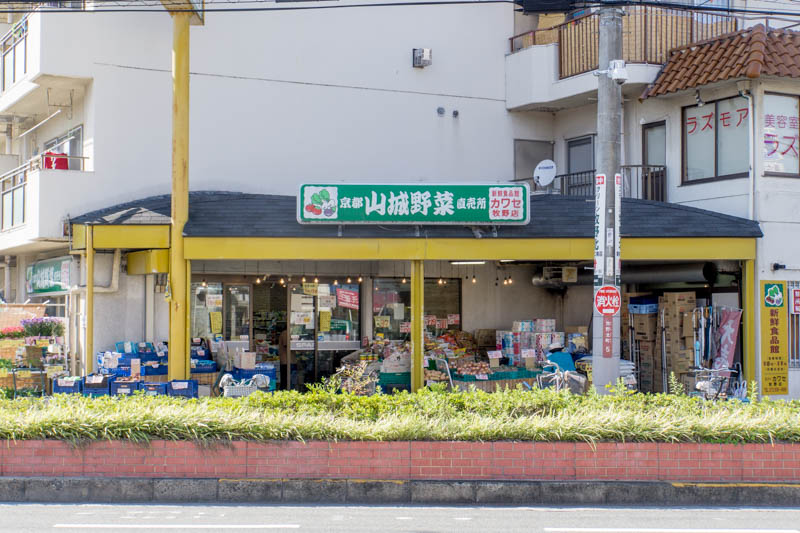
749 313
417 325
178 325
78 237
148 262
668 249
131 237
686 248
89 355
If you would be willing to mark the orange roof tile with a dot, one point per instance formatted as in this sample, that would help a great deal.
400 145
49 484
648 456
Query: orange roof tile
749 53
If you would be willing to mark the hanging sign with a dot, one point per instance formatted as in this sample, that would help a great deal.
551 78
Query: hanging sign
430 320
347 298
327 301
453 320
441 323
213 300
495 204
795 303
215 318
774 338
324 320
52 275
382 321
599 229
311 288
405 327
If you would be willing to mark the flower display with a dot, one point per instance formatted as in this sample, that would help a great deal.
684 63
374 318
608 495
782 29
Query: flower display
43 327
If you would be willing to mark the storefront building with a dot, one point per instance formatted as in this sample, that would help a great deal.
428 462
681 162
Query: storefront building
256 270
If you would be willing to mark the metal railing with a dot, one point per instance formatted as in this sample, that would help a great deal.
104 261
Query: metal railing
13 185
649 33
644 182
14 49
794 328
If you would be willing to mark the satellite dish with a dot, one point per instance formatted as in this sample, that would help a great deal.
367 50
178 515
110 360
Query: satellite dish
545 173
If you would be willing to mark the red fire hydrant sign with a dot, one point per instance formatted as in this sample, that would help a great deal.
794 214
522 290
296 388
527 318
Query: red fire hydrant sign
608 301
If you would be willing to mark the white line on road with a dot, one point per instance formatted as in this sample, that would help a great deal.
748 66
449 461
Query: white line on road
659 530
177 526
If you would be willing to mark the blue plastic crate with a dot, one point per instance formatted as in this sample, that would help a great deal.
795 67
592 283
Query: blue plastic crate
201 366
153 389
174 388
196 353
124 388
142 357
241 373
148 348
98 389
160 370
642 309
120 347
122 371
75 387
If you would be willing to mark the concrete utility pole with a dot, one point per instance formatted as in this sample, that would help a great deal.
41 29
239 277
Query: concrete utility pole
606 321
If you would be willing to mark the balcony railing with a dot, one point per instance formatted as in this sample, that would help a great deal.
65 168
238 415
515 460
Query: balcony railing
13 186
649 33
14 49
644 182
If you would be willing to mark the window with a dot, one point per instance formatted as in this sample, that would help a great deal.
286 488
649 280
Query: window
781 144
580 155
654 144
715 140
391 306
794 327
71 144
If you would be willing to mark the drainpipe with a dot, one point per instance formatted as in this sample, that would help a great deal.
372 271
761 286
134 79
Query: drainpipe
744 92
7 278
8 139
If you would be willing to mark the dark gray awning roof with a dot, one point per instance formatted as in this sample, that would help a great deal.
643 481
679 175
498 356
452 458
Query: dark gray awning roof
231 214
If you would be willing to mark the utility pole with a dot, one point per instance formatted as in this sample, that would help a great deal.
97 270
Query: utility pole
608 185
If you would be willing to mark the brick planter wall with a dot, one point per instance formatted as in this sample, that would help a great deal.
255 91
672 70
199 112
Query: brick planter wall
408 461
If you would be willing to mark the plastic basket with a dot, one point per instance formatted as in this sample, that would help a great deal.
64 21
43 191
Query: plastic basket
159 370
206 354
124 388
642 309
69 386
239 391
241 373
120 347
182 387
153 389
204 369
394 378
122 371
101 388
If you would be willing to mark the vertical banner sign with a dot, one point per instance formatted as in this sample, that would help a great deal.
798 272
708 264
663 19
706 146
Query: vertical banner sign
795 294
599 230
774 338
617 216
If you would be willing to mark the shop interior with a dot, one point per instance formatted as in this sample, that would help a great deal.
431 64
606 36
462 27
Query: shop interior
308 316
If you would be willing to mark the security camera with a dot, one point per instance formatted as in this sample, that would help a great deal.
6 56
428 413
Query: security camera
617 71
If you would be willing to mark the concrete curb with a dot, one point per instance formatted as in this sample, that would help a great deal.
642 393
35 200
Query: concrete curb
135 490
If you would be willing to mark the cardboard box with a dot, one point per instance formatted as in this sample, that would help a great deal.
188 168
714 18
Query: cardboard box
583 330
647 348
644 327
687 325
680 297
245 360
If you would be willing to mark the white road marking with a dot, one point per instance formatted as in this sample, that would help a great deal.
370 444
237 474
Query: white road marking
404 518
660 530
177 526
463 518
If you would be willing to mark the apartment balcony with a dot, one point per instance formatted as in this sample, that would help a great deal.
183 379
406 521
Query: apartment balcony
642 182
37 197
552 69
39 67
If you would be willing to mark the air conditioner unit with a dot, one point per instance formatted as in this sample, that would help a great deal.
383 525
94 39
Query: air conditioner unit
422 57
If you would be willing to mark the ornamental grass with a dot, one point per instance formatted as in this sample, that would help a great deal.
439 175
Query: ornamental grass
431 414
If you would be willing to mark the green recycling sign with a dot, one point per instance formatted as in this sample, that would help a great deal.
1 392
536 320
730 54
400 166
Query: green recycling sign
486 204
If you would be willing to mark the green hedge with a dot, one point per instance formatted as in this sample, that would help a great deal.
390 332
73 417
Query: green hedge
539 415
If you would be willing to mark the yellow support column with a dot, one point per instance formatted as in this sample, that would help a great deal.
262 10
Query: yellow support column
178 309
88 367
749 313
188 339
417 324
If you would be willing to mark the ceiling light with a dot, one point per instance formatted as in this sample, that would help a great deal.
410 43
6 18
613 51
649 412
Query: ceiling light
474 280
467 262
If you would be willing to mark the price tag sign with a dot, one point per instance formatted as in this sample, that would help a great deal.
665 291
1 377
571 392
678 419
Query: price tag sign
3 372
494 354
23 374
528 353
481 377
53 370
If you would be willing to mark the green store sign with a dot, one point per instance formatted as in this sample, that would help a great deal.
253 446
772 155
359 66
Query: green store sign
492 204
49 276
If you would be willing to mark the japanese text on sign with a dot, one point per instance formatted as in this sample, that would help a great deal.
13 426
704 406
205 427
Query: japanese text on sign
347 298
781 129
774 338
414 204
607 300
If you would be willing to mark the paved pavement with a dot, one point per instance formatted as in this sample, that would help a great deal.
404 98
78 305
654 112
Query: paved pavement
191 518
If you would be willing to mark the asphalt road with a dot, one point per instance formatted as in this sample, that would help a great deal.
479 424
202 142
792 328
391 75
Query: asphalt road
105 518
